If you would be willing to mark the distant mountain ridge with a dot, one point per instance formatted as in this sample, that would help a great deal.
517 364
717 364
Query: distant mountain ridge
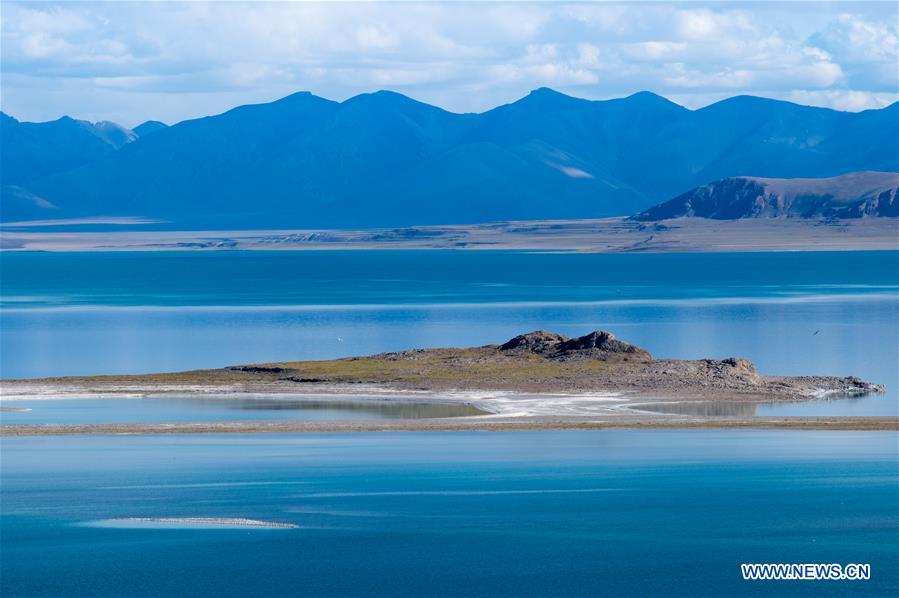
853 195
386 159
33 150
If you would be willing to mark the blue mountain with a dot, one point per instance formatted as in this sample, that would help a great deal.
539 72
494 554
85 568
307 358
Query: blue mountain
148 127
386 159
32 150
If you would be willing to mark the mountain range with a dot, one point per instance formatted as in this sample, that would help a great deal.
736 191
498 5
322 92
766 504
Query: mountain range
384 159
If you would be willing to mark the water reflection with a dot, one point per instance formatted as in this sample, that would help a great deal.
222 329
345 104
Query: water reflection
375 409
835 405
181 409
702 408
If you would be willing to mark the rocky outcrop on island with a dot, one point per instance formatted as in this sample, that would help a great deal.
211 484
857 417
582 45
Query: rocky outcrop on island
853 195
599 344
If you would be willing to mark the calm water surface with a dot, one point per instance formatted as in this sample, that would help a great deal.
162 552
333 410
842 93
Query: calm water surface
791 313
873 404
409 514
185 409
641 513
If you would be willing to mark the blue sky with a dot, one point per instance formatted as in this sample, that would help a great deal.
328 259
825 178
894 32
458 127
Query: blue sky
130 62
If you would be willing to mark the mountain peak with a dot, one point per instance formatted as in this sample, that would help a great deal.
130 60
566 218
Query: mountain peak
544 98
148 127
113 133
387 93
297 95
382 96
389 100
749 102
547 92
648 98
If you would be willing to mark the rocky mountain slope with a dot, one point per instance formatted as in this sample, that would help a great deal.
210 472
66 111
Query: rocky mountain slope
854 195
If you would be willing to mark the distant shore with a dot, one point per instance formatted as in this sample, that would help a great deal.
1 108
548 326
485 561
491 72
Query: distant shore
605 235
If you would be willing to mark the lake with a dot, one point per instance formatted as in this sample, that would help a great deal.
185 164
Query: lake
790 313
575 513
603 512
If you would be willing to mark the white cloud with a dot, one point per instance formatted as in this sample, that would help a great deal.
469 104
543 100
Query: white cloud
866 48
655 51
174 60
708 25
588 56
860 39
853 101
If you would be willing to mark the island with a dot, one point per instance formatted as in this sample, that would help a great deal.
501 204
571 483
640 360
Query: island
535 380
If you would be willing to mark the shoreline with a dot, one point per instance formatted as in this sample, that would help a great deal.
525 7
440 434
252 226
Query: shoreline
473 424
504 411
600 235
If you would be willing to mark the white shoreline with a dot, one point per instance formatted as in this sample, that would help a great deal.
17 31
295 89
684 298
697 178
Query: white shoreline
494 404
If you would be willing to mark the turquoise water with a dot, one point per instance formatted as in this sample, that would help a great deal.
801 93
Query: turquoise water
329 278
791 313
636 513
571 513
187 409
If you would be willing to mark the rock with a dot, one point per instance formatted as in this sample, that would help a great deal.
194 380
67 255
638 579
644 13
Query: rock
258 369
599 344
851 195
854 384
731 371
539 341
741 366
602 344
